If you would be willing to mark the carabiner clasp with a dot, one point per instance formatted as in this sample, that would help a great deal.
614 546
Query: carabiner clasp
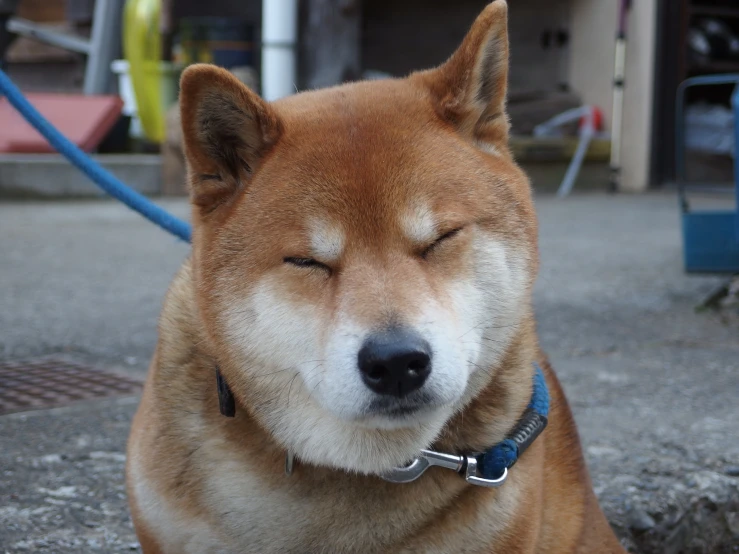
428 458
417 467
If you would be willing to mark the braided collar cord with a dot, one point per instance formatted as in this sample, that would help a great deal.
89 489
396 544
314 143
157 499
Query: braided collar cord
506 453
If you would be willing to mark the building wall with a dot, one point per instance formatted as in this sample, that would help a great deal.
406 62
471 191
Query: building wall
593 29
399 37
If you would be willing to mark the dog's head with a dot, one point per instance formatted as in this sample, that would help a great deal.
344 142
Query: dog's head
363 255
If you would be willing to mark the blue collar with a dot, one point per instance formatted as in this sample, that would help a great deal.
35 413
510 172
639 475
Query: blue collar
489 468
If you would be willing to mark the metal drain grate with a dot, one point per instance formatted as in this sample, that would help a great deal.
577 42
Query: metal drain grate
49 382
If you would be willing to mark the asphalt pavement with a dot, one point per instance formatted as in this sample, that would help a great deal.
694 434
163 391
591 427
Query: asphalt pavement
653 382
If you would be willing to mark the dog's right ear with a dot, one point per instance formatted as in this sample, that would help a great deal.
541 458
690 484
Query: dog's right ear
227 130
469 90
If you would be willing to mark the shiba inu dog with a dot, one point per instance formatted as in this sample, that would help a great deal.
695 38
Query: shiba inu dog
358 299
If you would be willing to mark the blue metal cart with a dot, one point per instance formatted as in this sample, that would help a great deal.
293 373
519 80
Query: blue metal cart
710 237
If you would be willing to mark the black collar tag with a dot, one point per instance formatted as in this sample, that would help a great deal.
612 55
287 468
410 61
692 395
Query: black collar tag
226 401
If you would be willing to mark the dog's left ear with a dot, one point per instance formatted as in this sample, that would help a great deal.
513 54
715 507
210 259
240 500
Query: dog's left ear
469 90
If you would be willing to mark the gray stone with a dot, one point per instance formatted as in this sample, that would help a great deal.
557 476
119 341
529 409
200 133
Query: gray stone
732 521
678 539
640 521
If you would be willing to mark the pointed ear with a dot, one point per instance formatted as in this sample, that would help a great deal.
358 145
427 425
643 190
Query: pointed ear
469 90
227 130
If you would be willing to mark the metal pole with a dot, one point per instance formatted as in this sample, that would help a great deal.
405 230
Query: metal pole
619 73
104 45
166 29
279 42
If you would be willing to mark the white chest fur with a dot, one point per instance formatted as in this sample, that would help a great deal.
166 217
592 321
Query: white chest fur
242 514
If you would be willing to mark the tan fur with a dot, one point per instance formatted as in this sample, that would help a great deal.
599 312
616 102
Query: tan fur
341 173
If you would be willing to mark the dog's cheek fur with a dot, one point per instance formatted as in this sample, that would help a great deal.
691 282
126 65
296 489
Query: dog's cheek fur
484 309
505 272
272 341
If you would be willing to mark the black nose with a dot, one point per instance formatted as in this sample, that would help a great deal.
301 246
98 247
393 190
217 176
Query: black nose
395 362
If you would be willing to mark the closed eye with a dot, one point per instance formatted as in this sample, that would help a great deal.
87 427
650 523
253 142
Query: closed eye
309 263
445 237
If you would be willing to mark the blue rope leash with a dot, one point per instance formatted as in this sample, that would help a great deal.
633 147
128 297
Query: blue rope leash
100 176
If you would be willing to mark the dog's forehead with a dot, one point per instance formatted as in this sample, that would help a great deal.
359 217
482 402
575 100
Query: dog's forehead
385 102
367 140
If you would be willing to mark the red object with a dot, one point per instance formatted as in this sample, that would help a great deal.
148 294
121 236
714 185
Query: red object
85 120
597 119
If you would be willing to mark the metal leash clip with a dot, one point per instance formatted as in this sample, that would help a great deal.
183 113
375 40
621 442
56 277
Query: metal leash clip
428 458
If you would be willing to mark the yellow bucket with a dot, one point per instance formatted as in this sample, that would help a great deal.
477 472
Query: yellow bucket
154 81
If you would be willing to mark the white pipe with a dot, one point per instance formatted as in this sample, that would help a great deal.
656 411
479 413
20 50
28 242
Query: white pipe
279 48
617 114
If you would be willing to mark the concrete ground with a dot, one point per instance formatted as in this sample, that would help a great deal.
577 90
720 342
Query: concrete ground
653 383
